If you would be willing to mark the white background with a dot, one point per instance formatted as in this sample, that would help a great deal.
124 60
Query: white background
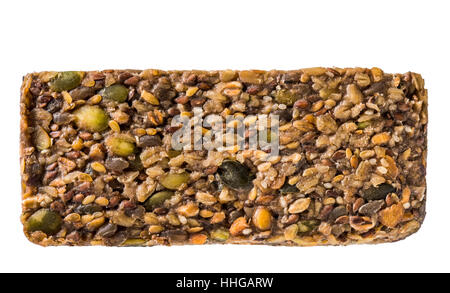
397 36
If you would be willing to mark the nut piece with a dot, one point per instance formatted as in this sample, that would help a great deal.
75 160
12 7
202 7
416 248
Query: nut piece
205 198
198 239
291 232
326 124
188 210
392 215
381 138
379 192
41 139
299 205
239 225
262 219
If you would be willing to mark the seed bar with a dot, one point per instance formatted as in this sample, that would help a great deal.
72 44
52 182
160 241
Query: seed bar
99 164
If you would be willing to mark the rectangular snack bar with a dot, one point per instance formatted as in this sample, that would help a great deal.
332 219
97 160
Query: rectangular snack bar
152 157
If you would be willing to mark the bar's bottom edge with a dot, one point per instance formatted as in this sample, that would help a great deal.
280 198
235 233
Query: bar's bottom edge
403 231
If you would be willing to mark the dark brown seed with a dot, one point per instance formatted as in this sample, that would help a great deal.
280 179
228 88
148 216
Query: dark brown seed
132 81
338 155
175 236
204 86
336 213
173 111
51 167
196 102
78 198
54 105
124 76
107 230
289 219
88 209
325 211
73 155
301 104
191 79
44 99
81 93
97 76
57 206
253 89
84 187
403 107
127 205
114 201
74 236
149 141
182 100
116 164
35 91
85 135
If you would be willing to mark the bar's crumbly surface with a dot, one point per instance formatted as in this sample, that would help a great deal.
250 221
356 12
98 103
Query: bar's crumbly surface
98 168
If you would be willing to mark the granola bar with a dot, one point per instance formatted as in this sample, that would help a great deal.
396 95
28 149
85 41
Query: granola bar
99 165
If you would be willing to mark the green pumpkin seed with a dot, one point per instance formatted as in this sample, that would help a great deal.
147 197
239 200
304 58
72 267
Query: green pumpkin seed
307 225
157 199
173 153
286 97
220 234
44 220
235 175
120 146
91 118
116 92
362 125
65 81
174 181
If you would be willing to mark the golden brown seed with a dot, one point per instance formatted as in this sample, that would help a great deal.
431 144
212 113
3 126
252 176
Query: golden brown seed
77 144
262 218
102 201
206 213
291 232
392 215
191 91
155 229
381 138
88 199
198 239
149 98
218 217
354 161
98 167
114 126
67 97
